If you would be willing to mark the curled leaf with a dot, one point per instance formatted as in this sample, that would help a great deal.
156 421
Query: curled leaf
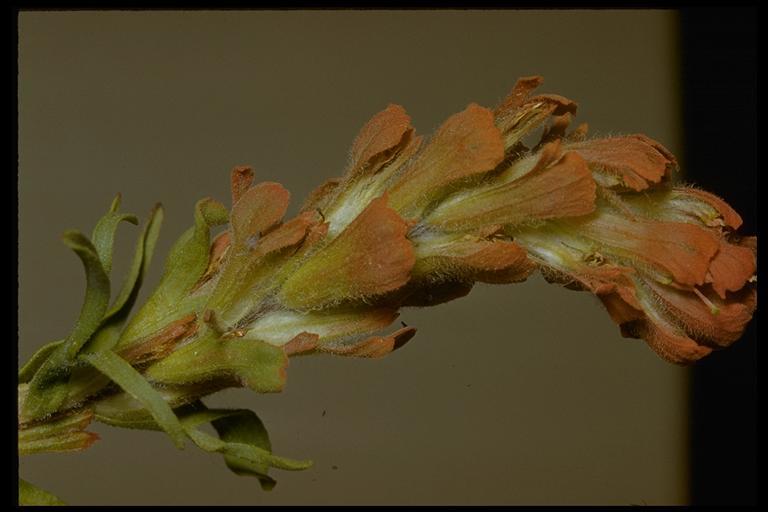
96 294
244 442
103 236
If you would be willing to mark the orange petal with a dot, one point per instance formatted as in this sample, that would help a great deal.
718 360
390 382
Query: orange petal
378 346
241 179
721 327
634 161
497 261
516 119
519 94
301 343
564 189
258 209
619 309
466 145
666 342
370 257
319 198
383 133
560 104
723 215
289 234
676 250
732 267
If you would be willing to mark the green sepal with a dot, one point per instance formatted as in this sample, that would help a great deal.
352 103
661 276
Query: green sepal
30 495
133 383
103 236
184 266
65 434
254 364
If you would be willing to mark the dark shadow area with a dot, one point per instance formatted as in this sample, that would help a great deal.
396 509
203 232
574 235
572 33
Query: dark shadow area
719 107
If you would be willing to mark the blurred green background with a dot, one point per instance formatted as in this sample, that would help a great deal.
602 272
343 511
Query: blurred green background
522 394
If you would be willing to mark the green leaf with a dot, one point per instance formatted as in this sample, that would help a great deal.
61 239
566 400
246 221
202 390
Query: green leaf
103 236
244 442
243 426
128 378
48 387
184 266
108 334
32 495
122 410
36 361
257 365
142 257
96 293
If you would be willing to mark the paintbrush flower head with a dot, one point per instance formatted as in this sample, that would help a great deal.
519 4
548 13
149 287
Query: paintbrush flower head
492 196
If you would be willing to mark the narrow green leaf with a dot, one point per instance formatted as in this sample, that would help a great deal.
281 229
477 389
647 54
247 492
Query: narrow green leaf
253 455
36 361
108 334
103 236
184 266
243 441
30 494
128 378
142 257
122 410
96 293
48 387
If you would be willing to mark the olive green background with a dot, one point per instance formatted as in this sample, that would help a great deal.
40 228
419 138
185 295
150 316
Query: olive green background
522 394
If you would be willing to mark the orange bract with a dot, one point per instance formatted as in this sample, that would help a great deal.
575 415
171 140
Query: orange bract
413 225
